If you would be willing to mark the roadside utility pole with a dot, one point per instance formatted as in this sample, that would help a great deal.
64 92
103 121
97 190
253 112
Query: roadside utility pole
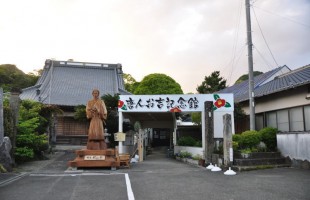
250 63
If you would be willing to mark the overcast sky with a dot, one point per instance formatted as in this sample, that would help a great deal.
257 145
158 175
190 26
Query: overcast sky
184 39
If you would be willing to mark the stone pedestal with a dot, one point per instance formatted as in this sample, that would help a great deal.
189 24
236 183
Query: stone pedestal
96 158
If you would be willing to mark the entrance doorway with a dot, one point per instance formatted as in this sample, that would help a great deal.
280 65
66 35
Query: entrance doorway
161 137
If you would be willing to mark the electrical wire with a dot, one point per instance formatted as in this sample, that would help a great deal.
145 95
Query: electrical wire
290 19
236 61
265 38
264 59
236 37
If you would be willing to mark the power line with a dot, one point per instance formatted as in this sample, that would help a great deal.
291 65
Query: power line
264 59
236 36
236 61
265 38
290 19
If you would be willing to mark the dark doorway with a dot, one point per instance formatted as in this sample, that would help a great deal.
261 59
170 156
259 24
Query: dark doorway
161 137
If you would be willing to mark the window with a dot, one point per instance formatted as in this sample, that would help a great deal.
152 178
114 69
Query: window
296 119
259 122
271 119
307 117
283 122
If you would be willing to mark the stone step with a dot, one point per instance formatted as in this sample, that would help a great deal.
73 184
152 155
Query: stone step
258 155
259 161
257 167
71 140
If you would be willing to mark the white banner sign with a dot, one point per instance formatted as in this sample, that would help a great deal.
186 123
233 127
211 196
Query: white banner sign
174 103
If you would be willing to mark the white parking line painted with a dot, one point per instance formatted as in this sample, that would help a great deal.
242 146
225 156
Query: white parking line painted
77 174
127 180
12 179
129 189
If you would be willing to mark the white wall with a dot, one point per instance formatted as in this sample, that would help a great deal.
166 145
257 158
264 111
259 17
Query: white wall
193 150
286 99
294 145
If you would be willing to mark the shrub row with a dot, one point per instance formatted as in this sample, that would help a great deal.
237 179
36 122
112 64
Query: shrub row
251 139
189 141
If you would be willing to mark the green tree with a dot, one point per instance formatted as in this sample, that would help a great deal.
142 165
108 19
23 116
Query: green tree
13 79
34 119
111 102
245 77
158 84
80 113
30 120
130 83
212 83
30 139
196 118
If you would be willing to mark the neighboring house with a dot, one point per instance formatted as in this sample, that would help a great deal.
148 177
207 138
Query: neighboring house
68 84
282 98
282 101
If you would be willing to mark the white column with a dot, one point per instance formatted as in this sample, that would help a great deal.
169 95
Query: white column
120 129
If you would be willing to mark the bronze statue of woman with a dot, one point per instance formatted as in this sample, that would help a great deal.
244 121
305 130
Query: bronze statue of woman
96 111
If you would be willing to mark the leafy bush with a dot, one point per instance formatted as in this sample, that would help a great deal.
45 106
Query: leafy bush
247 150
80 113
236 137
198 143
197 157
185 154
269 137
31 139
249 139
28 126
37 143
256 141
187 141
235 145
23 154
31 110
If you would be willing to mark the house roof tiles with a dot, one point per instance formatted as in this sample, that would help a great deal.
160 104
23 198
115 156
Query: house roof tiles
274 81
71 83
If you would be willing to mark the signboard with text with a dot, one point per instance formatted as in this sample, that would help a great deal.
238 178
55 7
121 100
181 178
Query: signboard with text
94 157
174 103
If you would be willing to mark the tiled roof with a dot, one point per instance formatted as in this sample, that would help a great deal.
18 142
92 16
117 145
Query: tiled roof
71 83
271 82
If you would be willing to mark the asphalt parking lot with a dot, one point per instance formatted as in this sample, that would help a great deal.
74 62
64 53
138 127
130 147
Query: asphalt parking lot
158 177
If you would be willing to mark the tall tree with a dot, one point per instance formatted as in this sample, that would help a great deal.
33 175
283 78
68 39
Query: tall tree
246 76
13 79
212 83
158 84
130 83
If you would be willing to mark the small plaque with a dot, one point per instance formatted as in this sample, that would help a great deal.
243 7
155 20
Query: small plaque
119 137
94 157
